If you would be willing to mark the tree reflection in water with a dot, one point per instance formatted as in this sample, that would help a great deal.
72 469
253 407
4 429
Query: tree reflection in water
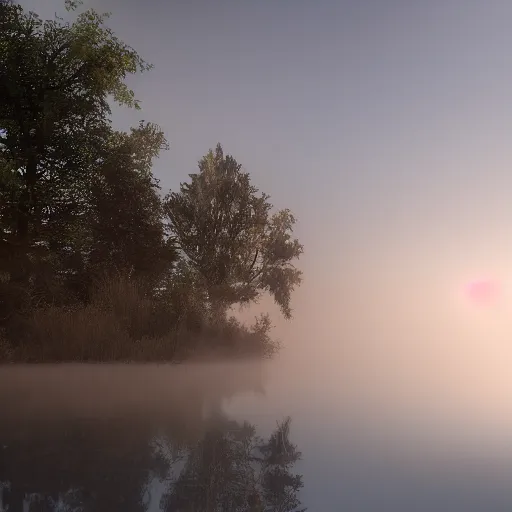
110 467
232 469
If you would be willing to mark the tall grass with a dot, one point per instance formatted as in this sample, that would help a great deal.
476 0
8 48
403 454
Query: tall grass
6 350
121 323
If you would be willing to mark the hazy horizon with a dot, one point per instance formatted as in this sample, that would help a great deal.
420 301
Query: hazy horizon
383 125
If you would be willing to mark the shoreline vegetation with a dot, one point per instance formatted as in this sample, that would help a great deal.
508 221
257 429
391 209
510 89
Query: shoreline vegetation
97 263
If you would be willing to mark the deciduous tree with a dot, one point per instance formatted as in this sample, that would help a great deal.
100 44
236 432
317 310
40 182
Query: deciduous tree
56 79
227 233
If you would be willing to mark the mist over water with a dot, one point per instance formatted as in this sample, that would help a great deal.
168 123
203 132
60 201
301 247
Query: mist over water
50 392
399 401
384 126
376 433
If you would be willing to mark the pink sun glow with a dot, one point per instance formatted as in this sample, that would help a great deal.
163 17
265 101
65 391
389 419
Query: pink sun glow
482 291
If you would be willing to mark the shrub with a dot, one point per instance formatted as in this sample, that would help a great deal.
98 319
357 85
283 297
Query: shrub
121 323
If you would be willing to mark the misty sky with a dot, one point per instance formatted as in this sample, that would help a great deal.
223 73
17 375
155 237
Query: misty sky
383 124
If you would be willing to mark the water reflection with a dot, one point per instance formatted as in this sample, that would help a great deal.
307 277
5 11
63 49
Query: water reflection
231 468
149 438
124 467
78 449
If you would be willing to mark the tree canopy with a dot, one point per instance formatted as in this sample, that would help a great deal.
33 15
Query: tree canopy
82 214
56 79
227 233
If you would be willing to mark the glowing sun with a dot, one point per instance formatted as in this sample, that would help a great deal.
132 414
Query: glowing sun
482 291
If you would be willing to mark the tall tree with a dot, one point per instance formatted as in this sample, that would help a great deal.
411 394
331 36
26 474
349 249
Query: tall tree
127 229
229 236
55 82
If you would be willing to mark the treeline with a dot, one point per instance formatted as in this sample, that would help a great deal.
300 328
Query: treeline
96 263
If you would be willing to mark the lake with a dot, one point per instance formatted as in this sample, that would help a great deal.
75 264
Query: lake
215 436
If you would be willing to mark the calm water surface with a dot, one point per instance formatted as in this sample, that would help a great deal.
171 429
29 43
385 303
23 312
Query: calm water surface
215 437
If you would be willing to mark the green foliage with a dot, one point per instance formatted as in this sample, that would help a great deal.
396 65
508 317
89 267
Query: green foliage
122 322
230 238
72 5
126 228
81 212
55 82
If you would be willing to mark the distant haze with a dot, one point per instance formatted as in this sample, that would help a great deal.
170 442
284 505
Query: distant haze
385 126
